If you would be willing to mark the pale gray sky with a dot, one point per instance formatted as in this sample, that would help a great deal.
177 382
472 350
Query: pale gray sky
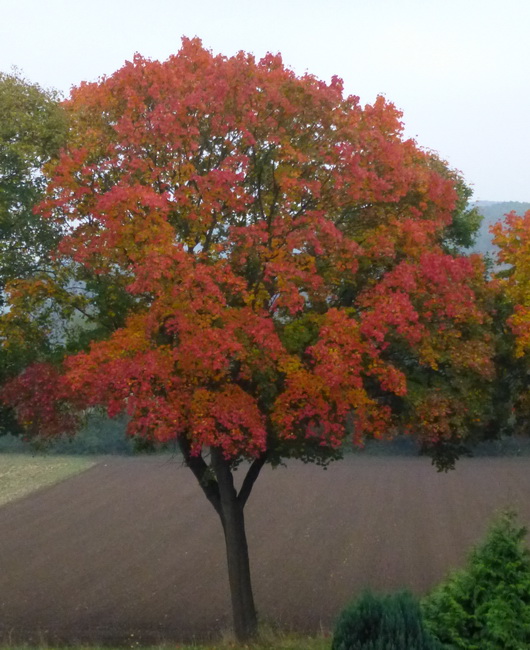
458 69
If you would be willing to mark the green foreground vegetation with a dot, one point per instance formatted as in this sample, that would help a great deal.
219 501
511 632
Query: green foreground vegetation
20 474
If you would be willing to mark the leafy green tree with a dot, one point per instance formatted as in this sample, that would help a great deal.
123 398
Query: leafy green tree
32 130
486 606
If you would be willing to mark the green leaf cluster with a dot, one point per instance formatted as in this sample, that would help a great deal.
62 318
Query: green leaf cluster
461 234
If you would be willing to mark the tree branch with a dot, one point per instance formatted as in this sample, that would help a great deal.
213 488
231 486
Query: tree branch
250 478
202 473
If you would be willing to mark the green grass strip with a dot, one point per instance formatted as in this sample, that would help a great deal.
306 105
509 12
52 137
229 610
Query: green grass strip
21 474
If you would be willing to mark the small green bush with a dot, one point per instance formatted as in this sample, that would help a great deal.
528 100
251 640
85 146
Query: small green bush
486 606
391 622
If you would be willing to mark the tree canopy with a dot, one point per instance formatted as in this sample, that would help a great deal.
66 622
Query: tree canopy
277 247
266 266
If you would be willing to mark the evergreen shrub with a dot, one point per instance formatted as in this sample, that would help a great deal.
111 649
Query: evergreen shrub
389 622
486 606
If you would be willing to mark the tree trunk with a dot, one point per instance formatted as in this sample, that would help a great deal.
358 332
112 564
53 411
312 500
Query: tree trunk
217 483
233 521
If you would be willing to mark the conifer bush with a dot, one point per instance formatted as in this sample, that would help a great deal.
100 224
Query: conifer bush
390 622
486 606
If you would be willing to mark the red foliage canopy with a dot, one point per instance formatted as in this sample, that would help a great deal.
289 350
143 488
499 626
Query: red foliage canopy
279 247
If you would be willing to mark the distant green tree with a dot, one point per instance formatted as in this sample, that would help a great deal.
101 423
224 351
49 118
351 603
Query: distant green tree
486 606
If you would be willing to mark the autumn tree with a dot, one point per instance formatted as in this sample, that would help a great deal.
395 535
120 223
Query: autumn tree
512 281
262 259
513 238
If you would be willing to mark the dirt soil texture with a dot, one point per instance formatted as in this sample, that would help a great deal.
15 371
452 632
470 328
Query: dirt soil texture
131 552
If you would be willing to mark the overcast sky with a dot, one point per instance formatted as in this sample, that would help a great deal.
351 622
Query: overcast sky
458 69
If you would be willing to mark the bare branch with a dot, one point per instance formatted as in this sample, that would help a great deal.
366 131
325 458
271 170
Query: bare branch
250 478
203 474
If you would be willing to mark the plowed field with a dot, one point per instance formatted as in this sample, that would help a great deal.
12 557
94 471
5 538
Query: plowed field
130 550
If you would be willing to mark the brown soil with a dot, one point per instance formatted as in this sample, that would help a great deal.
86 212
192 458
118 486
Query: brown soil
131 551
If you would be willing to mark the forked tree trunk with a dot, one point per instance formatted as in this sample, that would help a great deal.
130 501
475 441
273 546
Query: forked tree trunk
233 521
220 491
